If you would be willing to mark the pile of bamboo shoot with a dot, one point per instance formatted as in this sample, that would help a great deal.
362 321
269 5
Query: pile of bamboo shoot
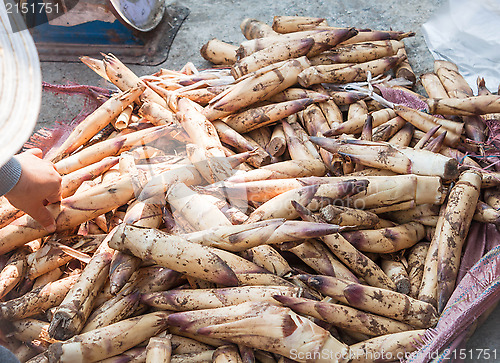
275 208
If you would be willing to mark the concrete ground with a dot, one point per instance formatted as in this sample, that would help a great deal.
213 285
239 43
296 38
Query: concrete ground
221 19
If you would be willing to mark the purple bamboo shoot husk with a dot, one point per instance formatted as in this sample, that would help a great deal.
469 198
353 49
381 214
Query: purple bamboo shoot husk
492 237
475 294
401 97
474 248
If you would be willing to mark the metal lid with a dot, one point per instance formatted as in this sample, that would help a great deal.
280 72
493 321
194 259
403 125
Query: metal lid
20 83
142 15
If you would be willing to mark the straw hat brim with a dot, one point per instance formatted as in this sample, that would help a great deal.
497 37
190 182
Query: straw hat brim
20 84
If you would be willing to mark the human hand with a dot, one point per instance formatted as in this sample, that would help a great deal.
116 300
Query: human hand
39 185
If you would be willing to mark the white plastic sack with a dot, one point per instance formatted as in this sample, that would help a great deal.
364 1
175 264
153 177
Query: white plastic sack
467 33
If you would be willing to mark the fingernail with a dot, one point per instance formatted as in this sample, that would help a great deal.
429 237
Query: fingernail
51 228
